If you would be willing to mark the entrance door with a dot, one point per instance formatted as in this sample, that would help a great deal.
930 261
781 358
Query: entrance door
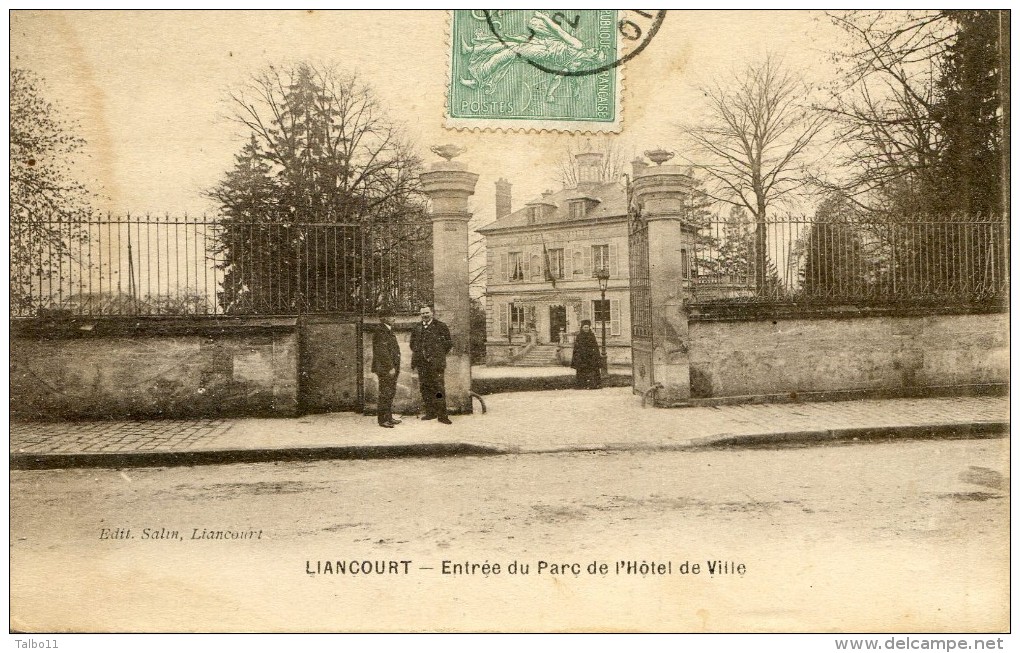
557 322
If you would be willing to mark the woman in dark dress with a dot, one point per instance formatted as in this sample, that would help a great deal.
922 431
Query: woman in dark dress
586 359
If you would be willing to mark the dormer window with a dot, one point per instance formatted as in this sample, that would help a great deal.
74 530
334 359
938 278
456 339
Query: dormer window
533 214
577 209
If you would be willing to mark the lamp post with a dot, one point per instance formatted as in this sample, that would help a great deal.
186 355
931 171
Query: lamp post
602 275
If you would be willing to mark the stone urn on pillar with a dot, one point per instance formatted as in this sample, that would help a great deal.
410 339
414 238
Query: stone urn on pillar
448 184
662 192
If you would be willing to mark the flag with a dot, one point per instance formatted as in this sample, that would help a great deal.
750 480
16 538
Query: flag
548 268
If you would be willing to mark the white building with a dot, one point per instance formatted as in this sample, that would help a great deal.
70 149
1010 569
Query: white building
541 262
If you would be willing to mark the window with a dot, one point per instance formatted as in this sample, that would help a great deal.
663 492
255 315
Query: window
599 258
577 209
685 264
516 266
556 263
532 214
517 318
605 312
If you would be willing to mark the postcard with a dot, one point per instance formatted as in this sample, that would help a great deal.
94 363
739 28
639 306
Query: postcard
509 321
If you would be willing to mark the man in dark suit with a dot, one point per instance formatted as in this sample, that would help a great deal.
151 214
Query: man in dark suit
386 365
430 343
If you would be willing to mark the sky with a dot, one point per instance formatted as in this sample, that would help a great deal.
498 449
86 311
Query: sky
148 89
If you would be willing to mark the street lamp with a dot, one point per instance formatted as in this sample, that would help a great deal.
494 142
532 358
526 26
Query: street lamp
602 275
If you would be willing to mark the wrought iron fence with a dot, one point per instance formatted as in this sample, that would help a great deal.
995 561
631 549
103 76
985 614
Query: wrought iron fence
954 261
167 266
640 286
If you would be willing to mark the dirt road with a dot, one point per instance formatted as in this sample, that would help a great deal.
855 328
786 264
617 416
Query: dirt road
907 536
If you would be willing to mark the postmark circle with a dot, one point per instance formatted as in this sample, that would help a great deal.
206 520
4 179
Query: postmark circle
642 31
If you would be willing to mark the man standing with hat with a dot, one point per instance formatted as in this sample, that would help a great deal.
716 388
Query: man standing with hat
430 343
386 365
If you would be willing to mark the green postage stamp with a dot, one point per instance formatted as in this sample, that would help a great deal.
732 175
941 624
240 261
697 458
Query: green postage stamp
540 69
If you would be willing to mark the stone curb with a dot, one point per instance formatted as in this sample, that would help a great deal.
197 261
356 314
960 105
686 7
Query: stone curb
974 430
35 461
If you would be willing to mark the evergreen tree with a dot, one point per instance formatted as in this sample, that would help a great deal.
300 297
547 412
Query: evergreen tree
727 257
968 113
835 267
302 209
927 128
735 247
920 113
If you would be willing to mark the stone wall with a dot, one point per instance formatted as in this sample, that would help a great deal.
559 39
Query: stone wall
408 398
130 368
641 366
879 354
499 353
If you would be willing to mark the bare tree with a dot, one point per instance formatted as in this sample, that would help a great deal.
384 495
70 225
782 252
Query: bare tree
752 145
884 106
48 206
921 107
922 112
613 163
477 262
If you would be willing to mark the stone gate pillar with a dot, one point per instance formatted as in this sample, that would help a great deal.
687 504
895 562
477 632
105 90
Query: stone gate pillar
662 193
448 184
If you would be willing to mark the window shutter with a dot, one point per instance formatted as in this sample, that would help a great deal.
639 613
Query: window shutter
503 317
614 317
536 265
504 272
614 266
585 311
532 319
587 261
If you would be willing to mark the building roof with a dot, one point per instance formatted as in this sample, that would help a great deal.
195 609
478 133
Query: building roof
612 203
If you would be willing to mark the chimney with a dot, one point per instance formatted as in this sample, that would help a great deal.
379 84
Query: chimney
639 165
503 198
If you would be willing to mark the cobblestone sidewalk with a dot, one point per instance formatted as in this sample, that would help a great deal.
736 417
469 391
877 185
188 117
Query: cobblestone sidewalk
521 422
114 437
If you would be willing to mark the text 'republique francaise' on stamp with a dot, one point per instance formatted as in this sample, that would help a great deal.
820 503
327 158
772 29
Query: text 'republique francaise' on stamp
542 69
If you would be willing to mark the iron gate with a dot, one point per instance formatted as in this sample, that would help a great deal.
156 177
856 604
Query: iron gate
640 302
